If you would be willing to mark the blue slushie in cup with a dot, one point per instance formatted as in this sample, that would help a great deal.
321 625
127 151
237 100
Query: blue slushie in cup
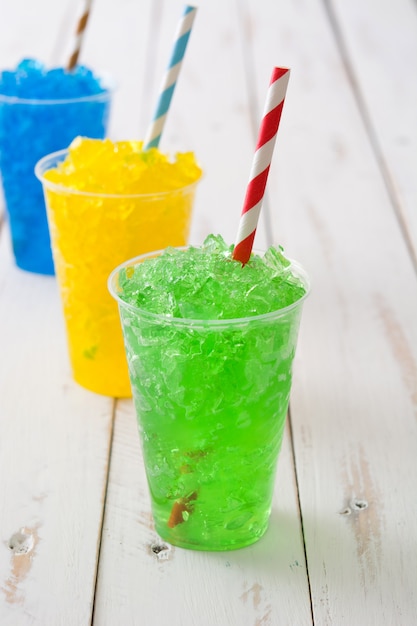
42 111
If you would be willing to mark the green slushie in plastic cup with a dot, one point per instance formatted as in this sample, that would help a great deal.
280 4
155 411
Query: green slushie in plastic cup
210 346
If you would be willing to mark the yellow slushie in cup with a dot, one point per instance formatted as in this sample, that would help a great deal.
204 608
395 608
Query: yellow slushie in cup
108 202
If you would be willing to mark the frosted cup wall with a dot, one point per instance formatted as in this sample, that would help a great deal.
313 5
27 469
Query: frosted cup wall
91 233
211 399
29 130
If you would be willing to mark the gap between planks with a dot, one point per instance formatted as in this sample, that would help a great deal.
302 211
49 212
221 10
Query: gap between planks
370 129
103 513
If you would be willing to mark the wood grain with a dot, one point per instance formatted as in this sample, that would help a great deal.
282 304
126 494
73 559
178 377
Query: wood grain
54 447
142 577
379 41
353 404
341 198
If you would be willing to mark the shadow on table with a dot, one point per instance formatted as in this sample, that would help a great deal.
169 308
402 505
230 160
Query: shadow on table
279 551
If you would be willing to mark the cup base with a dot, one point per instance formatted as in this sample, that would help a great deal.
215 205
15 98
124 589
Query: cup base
36 269
225 546
104 390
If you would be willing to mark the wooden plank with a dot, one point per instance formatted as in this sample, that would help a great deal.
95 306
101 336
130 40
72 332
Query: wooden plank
54 449
268 581
54 436
380 42
39 30
354 401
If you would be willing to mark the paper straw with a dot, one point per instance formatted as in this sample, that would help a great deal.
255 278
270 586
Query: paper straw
261 164
170 79
79 35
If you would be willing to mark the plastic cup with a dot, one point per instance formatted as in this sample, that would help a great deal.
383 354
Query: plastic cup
30 129
211 399
91 233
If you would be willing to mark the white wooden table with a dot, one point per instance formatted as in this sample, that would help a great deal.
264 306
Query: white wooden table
77 545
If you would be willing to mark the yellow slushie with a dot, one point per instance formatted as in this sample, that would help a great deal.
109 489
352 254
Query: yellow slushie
108 202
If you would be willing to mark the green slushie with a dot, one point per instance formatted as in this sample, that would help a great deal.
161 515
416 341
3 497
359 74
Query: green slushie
210 346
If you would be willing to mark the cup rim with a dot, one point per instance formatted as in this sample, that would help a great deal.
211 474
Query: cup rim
195 323
108 87
59 155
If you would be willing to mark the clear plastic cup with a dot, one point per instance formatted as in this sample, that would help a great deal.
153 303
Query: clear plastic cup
91 233
211 398
30 129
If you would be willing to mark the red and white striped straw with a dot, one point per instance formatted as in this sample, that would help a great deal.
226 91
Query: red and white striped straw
79 35
261 164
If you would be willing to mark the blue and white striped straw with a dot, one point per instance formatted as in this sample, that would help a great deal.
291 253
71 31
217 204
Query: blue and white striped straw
170 79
